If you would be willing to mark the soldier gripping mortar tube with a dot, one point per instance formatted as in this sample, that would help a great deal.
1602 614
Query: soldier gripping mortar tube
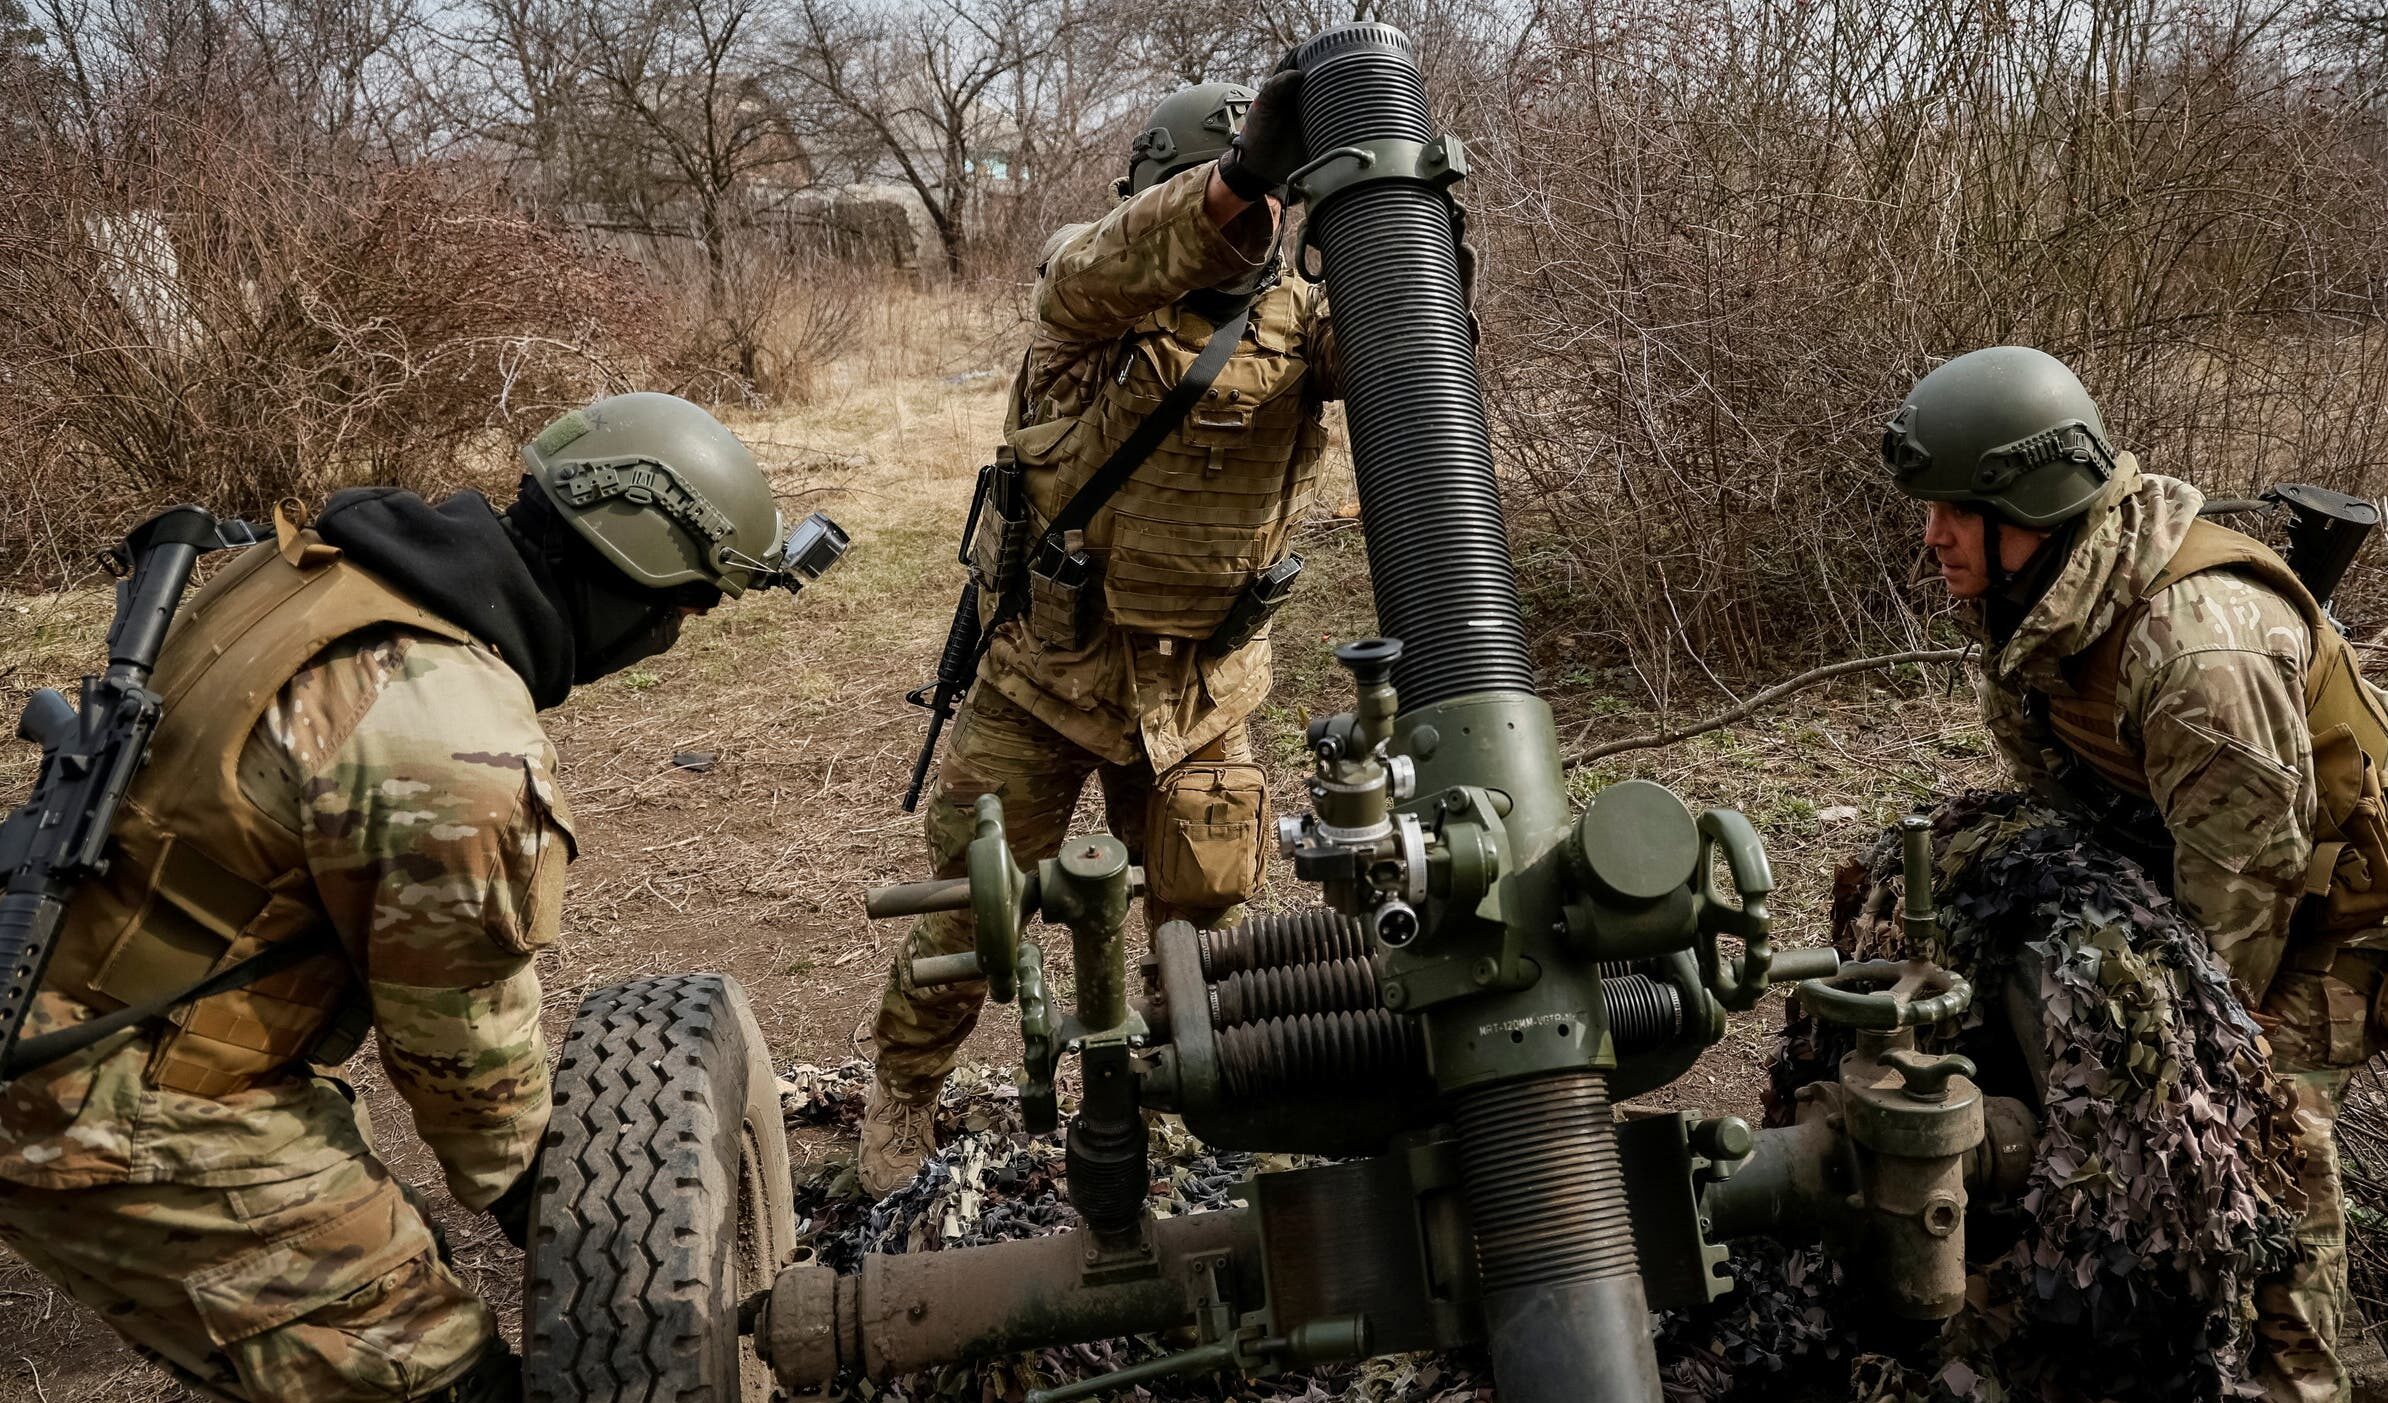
1125 551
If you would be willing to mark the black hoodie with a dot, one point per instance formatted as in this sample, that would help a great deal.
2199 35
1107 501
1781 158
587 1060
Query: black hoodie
459 560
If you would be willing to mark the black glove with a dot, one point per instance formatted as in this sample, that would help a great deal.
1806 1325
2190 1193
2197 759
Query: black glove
512 1211
1268 147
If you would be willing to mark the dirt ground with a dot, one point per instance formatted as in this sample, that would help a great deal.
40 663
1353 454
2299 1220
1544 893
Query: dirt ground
757 865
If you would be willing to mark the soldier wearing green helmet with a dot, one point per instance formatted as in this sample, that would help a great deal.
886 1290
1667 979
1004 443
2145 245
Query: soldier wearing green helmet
1141 648
350 758
1190 127
2175 679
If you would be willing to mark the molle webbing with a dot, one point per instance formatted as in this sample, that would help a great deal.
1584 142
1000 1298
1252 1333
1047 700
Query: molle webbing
2343 713
201 878
1216 501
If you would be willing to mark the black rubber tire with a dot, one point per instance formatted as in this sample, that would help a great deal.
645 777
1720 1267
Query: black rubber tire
663 1201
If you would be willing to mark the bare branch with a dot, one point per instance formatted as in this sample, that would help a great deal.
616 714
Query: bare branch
1760 701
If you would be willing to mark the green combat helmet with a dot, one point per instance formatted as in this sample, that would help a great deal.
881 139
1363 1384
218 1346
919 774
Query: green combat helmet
2007 430
1192 125
662 490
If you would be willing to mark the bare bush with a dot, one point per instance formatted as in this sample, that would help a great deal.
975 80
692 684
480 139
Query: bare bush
760 322
206 321
1726 238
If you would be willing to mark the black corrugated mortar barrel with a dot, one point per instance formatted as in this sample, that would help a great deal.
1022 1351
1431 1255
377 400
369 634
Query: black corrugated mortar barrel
1438 551
1564 1304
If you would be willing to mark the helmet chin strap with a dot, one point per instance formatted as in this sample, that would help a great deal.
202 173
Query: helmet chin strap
2012 593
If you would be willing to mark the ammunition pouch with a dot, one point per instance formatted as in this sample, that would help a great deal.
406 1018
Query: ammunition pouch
344 1034
1203 848
2366 972
1061 594
2328 1005
1253 609
2350 856
996 538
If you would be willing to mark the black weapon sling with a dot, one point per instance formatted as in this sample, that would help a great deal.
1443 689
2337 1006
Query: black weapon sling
66 1042
1129 456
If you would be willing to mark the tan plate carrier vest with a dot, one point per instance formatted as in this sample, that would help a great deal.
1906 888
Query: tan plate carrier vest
199 878
2345 714
1217 501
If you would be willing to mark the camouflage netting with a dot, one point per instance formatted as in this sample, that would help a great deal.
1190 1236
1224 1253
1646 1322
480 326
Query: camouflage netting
2163 1180
2161 1187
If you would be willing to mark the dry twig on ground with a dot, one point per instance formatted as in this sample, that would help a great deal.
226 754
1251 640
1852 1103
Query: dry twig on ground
2363 1156
1763 699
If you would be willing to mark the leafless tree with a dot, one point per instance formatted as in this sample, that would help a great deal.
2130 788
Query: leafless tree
921 89
681 106
509 75
317 75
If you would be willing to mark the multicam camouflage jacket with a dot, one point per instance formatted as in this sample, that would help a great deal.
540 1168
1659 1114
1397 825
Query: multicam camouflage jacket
2211 699
1215 502
401 759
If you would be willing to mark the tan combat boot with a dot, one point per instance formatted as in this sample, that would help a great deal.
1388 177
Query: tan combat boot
897 1137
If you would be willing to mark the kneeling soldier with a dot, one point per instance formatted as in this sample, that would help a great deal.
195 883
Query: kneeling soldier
2176 678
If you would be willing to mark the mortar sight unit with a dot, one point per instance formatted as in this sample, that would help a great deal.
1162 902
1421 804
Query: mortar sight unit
1487 974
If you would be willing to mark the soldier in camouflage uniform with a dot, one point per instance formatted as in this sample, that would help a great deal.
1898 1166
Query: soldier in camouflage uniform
2176 679
1123 307
350 755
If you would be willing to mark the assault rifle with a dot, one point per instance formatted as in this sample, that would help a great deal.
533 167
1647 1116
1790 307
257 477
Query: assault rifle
965 641
59 836
955 667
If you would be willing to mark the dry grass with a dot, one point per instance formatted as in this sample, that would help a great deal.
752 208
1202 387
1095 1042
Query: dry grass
2363 1146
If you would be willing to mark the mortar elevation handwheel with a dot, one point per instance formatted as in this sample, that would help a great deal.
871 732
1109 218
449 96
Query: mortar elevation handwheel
1885 994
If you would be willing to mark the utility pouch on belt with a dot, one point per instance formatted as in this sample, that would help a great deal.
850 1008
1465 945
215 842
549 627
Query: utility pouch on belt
2376 966
995 538
1202 845
1253 609
1060 594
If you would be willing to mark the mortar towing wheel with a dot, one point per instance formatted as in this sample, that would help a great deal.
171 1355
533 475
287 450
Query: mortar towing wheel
663 1200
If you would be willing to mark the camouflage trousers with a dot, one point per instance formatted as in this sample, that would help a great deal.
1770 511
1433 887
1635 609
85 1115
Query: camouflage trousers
2319 1036
323 1288
1196 828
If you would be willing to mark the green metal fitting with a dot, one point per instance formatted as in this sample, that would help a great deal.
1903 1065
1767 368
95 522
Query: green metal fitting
1088 888
1915 851
1040 1056
1738 984
1634 854
1880 995
1438 164
1000 897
